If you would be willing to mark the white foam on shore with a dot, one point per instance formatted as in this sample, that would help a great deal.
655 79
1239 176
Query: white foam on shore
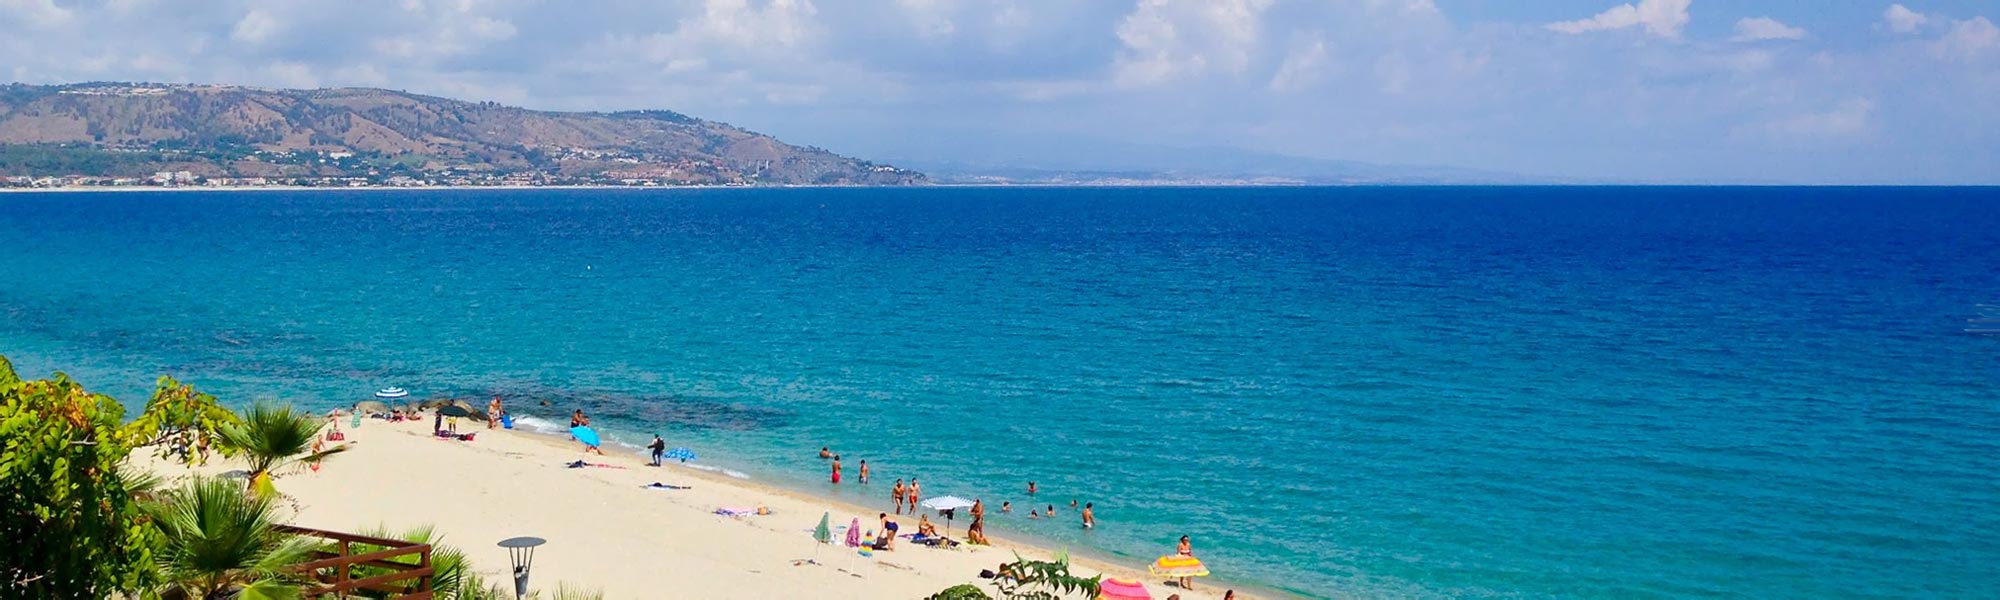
540 426
730 472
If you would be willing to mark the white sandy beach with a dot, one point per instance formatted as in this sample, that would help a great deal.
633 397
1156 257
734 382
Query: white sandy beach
606 531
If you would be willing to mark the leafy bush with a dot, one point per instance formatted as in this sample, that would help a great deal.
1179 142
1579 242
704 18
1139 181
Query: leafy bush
1026 579
70 525
963 591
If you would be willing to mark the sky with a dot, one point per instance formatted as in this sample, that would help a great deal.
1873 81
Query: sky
1809 91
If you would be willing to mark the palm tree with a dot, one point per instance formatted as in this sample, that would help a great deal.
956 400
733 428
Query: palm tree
274 438
219 542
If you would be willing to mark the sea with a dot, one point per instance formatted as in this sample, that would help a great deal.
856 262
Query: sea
1367 392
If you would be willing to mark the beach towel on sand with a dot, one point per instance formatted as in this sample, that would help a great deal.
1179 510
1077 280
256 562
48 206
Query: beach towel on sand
662 486
736 511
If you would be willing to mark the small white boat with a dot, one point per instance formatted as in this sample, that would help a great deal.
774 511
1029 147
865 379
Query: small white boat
390 393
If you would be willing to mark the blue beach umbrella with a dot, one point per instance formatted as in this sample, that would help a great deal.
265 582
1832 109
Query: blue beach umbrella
586 435
682 454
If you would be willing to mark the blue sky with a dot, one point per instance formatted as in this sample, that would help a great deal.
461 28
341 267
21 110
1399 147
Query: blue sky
1831 91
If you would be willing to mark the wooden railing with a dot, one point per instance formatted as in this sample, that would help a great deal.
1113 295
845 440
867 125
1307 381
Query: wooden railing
335 570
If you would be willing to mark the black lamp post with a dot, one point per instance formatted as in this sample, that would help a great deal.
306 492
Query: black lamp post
521 553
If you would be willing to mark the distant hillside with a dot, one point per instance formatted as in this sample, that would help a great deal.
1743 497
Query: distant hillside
219 131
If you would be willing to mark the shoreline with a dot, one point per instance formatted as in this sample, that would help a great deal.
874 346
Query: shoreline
607 531
1002 538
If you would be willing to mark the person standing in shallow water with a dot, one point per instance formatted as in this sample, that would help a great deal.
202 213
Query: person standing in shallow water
493 410
863 479
896 495
836 468
1089 519
916 493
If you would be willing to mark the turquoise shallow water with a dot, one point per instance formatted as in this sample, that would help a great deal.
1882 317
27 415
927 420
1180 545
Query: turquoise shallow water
1402 392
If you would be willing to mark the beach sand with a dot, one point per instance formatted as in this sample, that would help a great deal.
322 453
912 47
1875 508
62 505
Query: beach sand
606 531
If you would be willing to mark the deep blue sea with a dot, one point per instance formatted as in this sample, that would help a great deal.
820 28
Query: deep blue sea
1341 392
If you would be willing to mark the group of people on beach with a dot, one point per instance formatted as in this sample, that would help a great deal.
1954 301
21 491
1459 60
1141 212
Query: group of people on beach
911 496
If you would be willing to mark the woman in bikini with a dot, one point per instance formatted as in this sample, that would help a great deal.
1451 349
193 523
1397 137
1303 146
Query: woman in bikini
1186 548
976 533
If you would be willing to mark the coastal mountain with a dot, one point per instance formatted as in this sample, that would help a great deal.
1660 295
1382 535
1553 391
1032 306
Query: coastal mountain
362 136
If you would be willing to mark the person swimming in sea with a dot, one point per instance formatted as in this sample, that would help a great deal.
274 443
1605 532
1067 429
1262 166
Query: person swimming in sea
1006 507
1034 514
1031 488
824 453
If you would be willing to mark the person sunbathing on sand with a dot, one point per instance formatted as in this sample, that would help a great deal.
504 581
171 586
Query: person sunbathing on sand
925 528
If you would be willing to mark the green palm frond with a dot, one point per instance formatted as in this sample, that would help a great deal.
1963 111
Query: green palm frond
219 540
275 438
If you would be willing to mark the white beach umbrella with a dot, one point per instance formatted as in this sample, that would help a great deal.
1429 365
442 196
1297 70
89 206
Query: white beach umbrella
948 506
943 503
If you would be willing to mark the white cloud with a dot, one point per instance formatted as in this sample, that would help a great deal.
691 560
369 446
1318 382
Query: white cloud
1302 66
1765 28
929 17
255 26
43 13
1968 39
1901 19
783 23
1850 117
1662 18
1169 39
